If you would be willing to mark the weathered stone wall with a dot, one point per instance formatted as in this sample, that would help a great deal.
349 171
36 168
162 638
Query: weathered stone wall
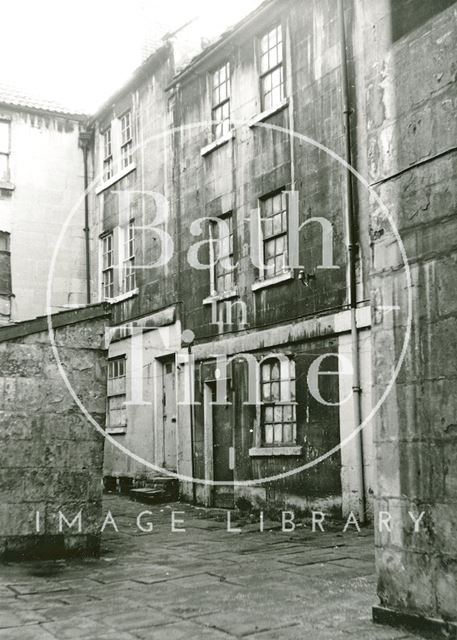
50 455
256 162
411 93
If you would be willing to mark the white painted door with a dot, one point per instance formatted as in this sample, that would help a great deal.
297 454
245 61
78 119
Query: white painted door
169 414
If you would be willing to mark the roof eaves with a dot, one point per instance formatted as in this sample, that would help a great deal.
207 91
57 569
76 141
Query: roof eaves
30 108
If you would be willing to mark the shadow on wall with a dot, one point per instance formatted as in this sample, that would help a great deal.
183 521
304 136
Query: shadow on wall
409 15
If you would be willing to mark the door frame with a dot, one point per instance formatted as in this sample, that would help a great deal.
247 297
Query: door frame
208 440
162 361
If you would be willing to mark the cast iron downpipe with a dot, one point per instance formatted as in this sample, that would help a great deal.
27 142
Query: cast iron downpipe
351 226
85 138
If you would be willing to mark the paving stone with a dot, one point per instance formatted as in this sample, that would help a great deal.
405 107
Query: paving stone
18 618
206 585
244 622
75 628
32 632
182 631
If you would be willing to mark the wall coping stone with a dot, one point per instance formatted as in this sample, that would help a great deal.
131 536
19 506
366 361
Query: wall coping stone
60 319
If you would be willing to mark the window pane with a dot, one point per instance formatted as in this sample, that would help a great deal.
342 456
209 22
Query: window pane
288 433
275 371
268 434
275 391
278 433
266 391
269 249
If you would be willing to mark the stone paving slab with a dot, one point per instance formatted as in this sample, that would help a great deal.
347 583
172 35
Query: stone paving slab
204 583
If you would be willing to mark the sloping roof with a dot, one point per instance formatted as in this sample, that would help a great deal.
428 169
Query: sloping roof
18 98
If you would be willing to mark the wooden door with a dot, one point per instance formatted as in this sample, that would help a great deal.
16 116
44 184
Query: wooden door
222 425
169 414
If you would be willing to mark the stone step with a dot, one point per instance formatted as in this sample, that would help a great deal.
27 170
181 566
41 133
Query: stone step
159 489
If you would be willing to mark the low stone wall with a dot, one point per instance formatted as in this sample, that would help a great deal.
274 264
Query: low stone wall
51 457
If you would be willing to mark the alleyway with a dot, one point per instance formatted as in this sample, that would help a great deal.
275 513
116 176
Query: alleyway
197 584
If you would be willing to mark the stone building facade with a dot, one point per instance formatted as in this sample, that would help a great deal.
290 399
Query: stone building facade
159 170
406 66
276 292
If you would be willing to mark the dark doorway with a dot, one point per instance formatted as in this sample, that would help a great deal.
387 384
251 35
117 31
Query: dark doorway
222 427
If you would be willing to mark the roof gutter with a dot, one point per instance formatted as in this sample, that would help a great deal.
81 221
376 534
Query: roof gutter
353 247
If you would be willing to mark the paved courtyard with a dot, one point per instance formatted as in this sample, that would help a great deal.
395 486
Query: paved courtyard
204 583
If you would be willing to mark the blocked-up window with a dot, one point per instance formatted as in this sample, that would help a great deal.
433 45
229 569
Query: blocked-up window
128 257
275 238
271 68
221 101
117 415
126 140
224 270
278 415
5 149
107 155
108 266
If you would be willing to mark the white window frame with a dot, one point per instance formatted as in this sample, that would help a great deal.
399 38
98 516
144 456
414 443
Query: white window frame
126 139
284 404
127 251
117 388
5 152
271 64
108 158
225 253
267 238
220 101
108 264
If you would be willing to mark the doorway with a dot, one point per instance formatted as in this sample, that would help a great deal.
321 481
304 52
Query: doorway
169 414
221 425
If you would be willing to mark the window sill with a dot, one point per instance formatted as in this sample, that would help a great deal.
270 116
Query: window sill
120 174
269 282
260 452
116 431
264 115
7 186
218 297
217 143
122 296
